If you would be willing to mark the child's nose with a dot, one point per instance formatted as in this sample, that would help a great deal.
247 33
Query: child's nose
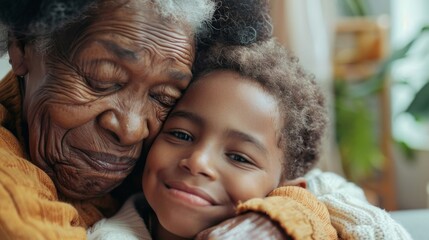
199 163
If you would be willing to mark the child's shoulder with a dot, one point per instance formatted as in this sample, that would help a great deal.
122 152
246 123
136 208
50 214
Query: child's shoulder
127 223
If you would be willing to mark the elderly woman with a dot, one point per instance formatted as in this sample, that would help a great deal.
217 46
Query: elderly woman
91 92
91 83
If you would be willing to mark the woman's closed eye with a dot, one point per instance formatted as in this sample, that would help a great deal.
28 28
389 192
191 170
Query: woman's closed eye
101 86
103 76
164 100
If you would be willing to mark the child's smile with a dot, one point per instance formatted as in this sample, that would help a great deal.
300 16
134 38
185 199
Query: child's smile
189 194
218 146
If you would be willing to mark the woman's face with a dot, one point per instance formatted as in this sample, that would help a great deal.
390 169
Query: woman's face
93 108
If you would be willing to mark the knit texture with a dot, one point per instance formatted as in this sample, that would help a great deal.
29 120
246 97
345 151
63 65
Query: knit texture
296 210
10 106
29 203
125 225
351 214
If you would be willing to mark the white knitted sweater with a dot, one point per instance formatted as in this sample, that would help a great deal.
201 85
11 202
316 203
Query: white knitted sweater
351 214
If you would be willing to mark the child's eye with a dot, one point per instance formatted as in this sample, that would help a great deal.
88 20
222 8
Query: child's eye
181 135
238 158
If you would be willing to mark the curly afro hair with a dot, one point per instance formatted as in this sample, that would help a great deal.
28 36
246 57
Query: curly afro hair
300 100
237 22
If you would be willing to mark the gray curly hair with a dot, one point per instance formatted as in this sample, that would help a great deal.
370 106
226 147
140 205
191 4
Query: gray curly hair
37 20
300 100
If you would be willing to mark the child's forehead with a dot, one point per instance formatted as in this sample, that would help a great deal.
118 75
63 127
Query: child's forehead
227 81
220 77
220 90
226 74
229 87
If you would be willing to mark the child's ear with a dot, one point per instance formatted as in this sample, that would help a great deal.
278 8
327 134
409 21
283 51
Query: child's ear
16 57
299 182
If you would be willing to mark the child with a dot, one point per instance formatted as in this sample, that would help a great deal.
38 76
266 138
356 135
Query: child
251 122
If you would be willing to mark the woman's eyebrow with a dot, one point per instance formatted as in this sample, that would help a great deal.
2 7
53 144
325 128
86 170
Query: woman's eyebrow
120 52
126 54
179 75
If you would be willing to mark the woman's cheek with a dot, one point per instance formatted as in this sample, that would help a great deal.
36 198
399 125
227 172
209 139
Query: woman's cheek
69 117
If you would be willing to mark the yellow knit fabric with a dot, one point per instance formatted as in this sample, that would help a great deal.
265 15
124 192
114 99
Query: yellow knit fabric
297 212
29 205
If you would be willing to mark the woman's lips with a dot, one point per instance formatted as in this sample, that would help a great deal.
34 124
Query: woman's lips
192 195
106 161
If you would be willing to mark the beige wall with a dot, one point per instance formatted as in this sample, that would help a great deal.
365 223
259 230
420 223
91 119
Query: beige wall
412 178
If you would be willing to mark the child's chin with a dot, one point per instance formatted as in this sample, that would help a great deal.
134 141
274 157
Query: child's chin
189 230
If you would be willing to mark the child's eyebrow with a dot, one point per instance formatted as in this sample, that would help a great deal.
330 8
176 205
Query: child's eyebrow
230 132
247 138
188 115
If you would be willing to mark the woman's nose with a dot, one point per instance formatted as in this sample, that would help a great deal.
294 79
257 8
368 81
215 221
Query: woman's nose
199 162
128 128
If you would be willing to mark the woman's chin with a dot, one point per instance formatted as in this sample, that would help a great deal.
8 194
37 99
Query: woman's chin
83 184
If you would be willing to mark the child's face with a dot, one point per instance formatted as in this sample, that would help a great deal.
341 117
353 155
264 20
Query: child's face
218 146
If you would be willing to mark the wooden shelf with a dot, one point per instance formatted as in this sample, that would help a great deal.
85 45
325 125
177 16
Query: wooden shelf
360 47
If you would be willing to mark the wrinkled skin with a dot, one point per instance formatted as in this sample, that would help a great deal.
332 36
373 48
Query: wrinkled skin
99 97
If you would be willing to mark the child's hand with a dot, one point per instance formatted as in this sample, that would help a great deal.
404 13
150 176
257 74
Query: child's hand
249 225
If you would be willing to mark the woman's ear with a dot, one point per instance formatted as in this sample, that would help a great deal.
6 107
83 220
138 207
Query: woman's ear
16 57
299 182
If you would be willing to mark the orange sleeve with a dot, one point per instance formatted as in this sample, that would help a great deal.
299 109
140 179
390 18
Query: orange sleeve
296 211
29 206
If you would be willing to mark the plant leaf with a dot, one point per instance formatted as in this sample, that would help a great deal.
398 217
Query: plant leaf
375 83
419 107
